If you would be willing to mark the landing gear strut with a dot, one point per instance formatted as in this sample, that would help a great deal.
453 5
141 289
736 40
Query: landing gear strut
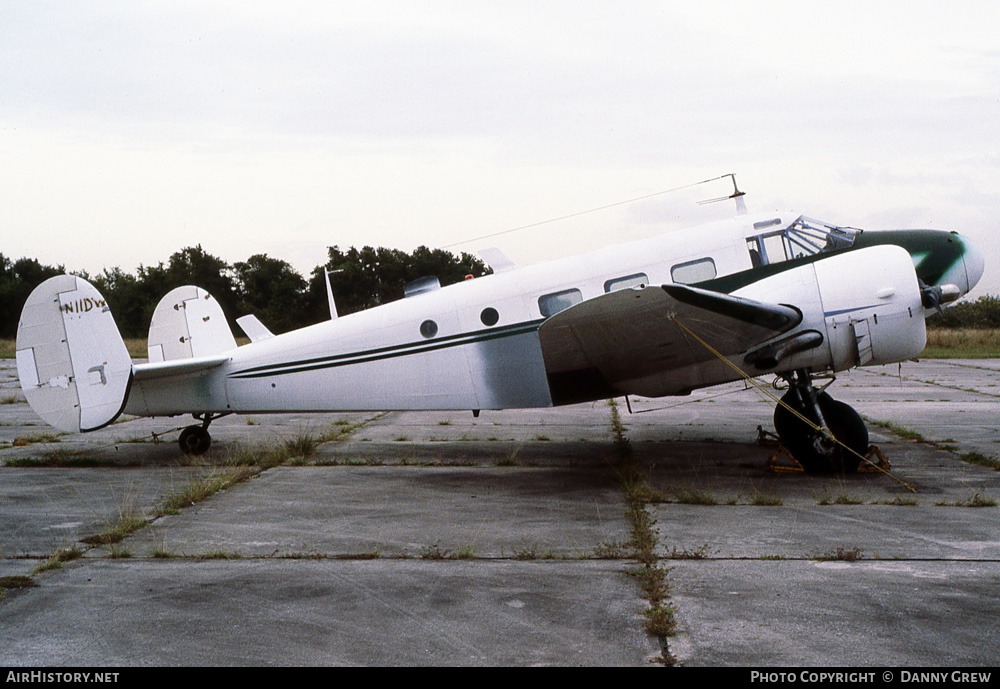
814 450
195 440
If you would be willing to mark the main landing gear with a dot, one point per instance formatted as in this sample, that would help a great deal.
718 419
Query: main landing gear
195 440
815 450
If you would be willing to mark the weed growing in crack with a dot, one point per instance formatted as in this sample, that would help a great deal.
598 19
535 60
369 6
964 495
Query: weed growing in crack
699 553
129 521
765 500
841 553
58 558
689 496
842 499
980 459
976 500
660 615
899 500
434 552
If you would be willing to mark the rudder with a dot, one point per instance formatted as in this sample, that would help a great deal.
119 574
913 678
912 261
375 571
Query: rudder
187 323
72 362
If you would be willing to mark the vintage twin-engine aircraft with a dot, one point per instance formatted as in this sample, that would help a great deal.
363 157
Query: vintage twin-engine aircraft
773 293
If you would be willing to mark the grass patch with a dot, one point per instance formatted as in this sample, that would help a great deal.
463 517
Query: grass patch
219 555
464 552
18 581
981 460
661 620
510 460
965 343
699 553
34 438
842 499
899 501
841 553
765 500
896 429
303 445
129 521
138 347
660 615
202 488
58 458
8 348
367 555
435 552
687 496
611 550
58 558
531 553
10 399
976 500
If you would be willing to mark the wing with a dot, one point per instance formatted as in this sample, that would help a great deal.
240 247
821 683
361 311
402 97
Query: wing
617 343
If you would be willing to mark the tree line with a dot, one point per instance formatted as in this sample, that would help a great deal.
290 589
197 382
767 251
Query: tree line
268 287
981 314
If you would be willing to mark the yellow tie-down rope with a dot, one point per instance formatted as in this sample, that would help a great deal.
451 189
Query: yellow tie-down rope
761 387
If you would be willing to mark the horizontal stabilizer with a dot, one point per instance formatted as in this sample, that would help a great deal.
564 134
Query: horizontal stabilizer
74 369
163 369
497 260
188 322
253 328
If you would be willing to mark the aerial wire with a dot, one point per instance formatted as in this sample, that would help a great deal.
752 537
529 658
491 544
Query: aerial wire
590 210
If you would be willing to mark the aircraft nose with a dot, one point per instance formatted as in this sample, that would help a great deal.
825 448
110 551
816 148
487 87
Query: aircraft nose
975 262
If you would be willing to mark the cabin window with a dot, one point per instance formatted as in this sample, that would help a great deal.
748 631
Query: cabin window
428 329
551 304
615 284
693 271
489 316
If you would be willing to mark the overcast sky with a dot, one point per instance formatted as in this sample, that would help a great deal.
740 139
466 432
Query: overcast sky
129 130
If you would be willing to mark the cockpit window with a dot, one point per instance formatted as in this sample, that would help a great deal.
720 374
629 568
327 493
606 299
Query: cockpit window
803 237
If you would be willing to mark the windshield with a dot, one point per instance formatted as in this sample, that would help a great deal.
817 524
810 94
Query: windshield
803 237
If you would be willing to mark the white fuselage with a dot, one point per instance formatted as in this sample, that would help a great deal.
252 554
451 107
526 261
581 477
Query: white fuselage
472 345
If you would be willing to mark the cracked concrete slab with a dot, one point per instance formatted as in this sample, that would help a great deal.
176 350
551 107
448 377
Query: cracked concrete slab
444 539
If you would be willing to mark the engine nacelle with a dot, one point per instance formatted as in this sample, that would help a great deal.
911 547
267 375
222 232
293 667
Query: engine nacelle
865 303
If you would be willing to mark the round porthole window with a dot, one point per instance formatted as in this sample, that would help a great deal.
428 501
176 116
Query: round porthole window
489 316
428 329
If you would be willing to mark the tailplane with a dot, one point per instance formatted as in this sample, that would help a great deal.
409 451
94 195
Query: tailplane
74 369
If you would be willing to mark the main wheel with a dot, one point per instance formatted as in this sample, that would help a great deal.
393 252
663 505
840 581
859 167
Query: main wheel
194 440
816 453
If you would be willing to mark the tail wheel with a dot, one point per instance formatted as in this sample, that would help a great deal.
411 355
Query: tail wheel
195 440
814 451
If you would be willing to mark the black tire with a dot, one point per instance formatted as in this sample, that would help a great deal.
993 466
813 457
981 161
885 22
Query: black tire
194 441
822 456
